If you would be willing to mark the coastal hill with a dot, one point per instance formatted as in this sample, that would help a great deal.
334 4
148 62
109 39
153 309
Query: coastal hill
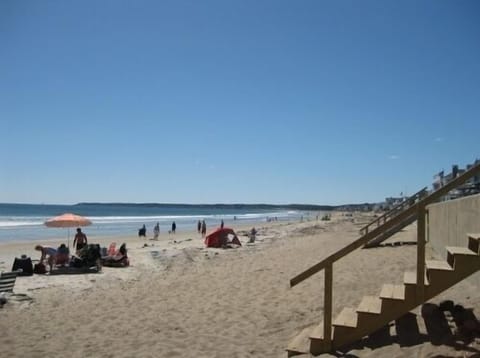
301 207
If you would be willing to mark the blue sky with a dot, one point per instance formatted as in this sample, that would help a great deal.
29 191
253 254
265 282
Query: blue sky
322 102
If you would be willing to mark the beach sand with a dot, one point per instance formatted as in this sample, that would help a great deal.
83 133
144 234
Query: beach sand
179 299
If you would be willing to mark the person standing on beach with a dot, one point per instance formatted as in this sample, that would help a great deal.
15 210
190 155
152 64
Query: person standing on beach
221 224
174 227
156 230
204 228
80 239
199 226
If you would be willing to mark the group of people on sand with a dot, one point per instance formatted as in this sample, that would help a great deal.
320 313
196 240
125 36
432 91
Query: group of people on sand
202 227
156 230
61 255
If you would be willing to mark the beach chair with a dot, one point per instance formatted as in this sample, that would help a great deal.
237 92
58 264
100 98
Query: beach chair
7 281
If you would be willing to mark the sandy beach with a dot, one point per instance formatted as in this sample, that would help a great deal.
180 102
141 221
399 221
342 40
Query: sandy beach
180 299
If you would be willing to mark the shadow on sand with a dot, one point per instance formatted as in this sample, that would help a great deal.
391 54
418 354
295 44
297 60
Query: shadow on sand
445 324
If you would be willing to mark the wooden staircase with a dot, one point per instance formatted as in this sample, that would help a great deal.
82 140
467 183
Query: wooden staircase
397 209
431 278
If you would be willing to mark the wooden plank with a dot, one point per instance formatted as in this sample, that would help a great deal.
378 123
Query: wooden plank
348 318
474 243
410 278
474 236
328 300
438 265
370 304
460 250
317 332
300 344
387 291
399 292
421 240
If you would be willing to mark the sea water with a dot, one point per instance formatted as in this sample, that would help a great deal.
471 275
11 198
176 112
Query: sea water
25 222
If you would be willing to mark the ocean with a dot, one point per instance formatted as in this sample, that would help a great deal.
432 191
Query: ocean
25 222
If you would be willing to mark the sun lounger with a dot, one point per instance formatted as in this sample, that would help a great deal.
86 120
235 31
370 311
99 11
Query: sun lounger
7 281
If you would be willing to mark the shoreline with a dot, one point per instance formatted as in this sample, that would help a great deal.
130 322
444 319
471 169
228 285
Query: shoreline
109 226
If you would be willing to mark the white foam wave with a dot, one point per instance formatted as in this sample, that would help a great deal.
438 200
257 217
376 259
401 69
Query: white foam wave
23 221
7 224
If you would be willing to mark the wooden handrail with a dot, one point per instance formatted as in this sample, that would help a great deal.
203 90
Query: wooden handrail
353 246
418 195
412 210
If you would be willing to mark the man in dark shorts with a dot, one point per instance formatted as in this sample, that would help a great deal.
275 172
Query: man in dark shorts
80 239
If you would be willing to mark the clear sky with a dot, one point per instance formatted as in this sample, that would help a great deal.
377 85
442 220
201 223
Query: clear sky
321 102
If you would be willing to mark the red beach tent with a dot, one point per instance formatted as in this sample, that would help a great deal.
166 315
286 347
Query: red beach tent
219 238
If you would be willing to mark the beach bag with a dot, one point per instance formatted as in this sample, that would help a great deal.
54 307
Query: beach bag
24 264
39 269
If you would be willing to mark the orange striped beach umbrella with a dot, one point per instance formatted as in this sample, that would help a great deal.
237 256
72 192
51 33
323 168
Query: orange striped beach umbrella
68 220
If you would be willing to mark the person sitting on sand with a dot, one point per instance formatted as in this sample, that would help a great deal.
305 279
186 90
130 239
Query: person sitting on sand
120 258
253 235
63 255
80 239
48 253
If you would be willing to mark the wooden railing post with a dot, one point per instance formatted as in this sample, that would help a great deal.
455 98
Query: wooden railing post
421 253
327 304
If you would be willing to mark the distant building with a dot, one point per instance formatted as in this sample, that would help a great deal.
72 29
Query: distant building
470 187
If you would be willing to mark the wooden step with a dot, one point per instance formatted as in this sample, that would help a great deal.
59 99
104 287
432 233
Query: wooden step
317 332
370 304
300 344
438 265
439 272
474 242
410 278
474 236
317 343
344 327
348 318
393 292
460 250
460 254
